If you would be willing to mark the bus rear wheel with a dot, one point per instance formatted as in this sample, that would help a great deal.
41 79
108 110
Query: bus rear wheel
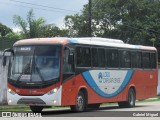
131 100
80 103
36 109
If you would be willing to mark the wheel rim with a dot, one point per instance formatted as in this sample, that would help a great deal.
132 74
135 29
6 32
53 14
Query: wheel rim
80 103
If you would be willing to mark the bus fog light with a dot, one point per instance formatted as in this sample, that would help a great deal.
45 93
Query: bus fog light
53 91
9 101
54 101
11 91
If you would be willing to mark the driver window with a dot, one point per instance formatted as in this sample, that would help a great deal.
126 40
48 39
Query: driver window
67 67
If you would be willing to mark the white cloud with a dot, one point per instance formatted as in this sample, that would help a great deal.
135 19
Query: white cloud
59 22
15 29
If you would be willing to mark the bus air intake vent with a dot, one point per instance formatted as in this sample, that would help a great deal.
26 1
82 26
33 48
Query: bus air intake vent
31 101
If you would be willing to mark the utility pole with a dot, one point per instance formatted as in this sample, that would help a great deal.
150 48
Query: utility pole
90 18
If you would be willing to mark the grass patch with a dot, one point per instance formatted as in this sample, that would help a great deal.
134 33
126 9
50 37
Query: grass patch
55 107
155 99
108 104
9 108
151 99
21 108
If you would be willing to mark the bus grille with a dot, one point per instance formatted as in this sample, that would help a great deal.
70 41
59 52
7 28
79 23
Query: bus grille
31 101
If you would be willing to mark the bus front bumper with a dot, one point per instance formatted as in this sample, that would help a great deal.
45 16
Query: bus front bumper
44 100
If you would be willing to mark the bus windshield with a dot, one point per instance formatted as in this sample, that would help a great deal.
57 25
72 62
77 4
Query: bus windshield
36 63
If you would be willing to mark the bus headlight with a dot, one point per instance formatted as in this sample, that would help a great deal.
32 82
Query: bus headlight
53 91
11 91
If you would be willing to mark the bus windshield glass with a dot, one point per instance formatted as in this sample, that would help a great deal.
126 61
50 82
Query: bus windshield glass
36 63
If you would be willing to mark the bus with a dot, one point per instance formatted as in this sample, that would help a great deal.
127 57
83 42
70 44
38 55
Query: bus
80 72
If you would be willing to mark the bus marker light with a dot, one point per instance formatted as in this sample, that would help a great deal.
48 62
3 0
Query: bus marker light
11 91
53 91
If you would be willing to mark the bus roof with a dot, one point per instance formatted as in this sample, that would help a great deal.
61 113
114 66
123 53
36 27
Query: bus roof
86 41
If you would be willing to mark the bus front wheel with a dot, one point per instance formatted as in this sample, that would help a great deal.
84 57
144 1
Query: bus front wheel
80 103
130 101
36 109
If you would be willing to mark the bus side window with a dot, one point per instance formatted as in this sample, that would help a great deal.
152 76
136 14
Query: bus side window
139 60
112 58
153 60
94 57
146 60
125 61
136 61
83 56
101 57
67 67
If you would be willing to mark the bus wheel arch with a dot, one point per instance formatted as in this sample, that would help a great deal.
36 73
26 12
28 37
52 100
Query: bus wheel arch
131 98
84 90
81 101
134 89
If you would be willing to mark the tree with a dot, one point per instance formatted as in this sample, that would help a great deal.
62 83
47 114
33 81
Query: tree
4 30
31 27
51 30
139 21
133 21
14 36
77 25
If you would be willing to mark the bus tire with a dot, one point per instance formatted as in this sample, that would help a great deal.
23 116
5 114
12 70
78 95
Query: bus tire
130 101
80 103
36 109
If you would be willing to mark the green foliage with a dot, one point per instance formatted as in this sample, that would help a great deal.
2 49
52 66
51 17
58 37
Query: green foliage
51 30
4 30
35 28
7 37
6 42
21 23
14 36
77 25
31 27
133 21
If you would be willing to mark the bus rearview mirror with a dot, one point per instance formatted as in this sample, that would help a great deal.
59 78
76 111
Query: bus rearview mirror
4 61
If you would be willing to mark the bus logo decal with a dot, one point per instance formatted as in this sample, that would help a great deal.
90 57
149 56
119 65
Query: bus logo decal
111 79
100 75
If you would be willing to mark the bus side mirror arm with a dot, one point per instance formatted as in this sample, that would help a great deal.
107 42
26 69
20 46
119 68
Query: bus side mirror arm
4 60
70 56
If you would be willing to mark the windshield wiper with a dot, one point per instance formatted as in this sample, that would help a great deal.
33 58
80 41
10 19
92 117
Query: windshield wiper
35 65
39 73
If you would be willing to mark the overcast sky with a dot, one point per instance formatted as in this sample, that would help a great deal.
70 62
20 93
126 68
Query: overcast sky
42 8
